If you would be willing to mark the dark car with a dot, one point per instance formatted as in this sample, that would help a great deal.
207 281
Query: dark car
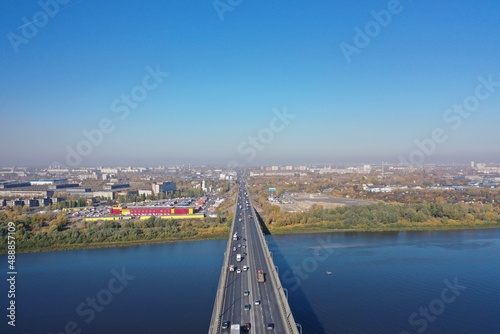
247 307
270 326
225 324
247 326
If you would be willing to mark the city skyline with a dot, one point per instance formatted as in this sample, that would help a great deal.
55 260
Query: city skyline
253 83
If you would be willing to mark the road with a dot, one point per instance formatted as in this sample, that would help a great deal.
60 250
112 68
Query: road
253 256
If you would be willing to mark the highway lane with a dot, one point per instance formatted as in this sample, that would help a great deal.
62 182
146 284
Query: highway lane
270 310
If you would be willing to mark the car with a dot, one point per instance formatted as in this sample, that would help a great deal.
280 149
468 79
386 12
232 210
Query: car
239 245
257 302
238 271
246 327
247 307
234 249
246 293
270 326
225 324
245 268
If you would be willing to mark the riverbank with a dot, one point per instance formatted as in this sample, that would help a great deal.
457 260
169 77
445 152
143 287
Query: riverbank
306 230
56 248
273 230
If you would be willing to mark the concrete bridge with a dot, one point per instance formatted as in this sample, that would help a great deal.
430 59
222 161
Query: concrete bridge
249 292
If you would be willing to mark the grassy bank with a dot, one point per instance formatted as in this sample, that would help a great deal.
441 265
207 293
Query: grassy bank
321 229
66 247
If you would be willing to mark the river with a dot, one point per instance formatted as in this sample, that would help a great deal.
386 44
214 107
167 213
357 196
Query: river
390 282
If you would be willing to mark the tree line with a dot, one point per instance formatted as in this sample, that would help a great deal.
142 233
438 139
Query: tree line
383 215
52 230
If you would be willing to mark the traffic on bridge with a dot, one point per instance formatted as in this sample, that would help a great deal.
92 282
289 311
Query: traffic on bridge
250 297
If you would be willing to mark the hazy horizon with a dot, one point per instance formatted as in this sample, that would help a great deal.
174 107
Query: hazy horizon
285 83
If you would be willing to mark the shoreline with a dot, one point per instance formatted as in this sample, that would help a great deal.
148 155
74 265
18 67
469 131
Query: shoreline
275 231
285 231
60 248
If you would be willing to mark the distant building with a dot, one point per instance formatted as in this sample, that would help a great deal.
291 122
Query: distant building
481 165
48 182
109 170
80 192
25 192
10 185
127 192
15 202
145 192
116 186
57 170
44 201
32 203
105 193
58 199
377 189
63 186
163 187
93 176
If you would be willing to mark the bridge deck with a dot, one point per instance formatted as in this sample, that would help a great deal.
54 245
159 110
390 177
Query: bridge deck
230 301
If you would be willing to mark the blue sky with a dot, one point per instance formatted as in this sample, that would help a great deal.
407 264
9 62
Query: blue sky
227 79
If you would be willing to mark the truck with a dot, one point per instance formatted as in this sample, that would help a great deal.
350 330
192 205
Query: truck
238 257
231 267
260 276
235 236
235 329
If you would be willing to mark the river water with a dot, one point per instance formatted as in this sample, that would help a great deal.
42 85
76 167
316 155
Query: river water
392 282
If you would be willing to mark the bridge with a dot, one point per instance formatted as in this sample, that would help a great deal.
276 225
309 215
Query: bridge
249 292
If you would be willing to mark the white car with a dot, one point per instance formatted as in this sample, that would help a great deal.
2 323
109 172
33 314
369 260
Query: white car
238 271
245 268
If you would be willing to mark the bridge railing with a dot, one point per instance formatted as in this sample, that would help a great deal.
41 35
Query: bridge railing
286 312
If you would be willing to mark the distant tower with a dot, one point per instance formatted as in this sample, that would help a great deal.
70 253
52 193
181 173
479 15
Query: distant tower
472 164
203 187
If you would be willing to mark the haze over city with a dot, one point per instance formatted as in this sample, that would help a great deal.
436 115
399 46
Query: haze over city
193 82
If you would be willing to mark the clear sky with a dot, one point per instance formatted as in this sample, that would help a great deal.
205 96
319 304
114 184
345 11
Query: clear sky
355 89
